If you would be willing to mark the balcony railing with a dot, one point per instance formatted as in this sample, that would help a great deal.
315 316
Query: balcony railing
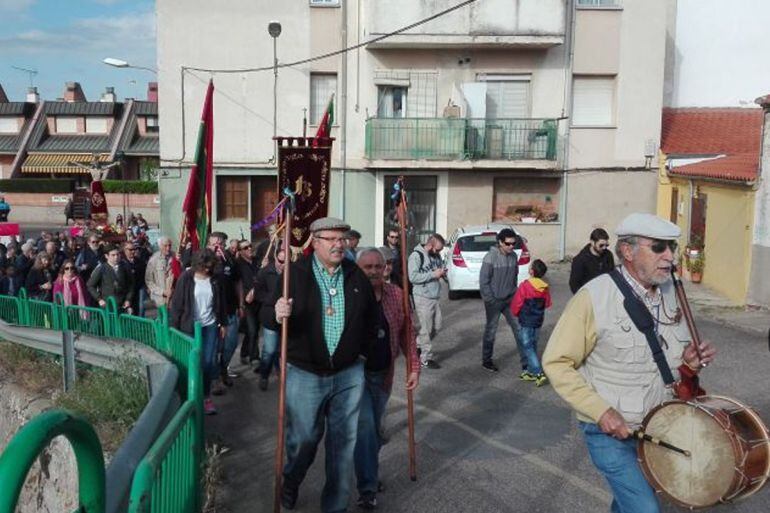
460 139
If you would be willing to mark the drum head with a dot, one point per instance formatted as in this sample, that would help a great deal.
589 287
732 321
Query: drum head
699 480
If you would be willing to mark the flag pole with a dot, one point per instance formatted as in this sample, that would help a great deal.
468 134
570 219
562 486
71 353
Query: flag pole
289 213
408 328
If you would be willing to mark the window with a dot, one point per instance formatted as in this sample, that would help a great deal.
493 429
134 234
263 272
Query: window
96 125
593 101
9 125
395 87
391 101
526 200
597 3
232 197
507 97
322 86
66 124
152 124
324 3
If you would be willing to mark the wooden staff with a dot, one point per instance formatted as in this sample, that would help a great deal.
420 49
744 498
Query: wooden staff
289 213
407 327
681 298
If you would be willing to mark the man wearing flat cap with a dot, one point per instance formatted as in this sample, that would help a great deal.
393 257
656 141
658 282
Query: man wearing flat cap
602 365
332 314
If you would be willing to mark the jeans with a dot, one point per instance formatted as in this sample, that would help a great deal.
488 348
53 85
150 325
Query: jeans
429 314
493 310
250 344
313 404
528 347
210 343
271 354
368 443
617 461
142 297
230 343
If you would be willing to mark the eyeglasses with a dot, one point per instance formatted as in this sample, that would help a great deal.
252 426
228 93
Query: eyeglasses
333 240
245 247
509 244
659 246
392 236
69 268
603 246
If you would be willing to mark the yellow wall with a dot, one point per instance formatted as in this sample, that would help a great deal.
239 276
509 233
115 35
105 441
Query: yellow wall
729 225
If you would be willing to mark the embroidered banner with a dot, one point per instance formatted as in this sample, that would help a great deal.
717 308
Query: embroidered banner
305 169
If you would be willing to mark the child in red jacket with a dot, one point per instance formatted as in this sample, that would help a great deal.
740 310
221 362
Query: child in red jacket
529 304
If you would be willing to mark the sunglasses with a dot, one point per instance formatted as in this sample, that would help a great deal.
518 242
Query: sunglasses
659 246
509 244
245 247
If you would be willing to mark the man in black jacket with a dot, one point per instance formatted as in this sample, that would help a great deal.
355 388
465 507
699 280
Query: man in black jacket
332 317
112 278
594 259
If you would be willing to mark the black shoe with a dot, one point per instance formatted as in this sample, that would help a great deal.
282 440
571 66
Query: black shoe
380 487
490 366
367 501
431 364
227 380
289 497
263 384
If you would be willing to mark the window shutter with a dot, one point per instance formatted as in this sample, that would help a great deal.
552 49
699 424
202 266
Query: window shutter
507 99
593 100
322 85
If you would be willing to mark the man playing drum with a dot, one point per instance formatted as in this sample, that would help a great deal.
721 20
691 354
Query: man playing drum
602 365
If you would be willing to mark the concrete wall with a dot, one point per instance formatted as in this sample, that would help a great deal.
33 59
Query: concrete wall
47 208
759 283
716 42
492 17
52 483
634 51
601 199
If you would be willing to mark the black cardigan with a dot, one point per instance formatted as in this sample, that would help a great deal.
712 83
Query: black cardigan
306 346
182 309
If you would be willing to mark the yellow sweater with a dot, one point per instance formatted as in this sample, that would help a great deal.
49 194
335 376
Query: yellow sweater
571 342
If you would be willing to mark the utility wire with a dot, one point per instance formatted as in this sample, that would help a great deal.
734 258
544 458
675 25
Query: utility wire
344 50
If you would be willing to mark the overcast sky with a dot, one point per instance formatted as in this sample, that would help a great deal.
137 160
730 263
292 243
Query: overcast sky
66 40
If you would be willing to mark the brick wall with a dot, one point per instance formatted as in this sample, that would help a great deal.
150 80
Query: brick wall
47 208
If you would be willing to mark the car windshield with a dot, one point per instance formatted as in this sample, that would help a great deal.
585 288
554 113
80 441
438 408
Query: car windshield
481 242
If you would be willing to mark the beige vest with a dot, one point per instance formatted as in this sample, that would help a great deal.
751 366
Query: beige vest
621 368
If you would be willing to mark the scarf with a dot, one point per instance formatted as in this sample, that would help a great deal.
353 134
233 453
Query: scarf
67 291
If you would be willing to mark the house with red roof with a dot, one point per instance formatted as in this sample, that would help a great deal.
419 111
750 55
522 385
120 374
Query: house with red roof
709 171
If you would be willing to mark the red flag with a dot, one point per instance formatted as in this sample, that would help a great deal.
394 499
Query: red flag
197 202
325 126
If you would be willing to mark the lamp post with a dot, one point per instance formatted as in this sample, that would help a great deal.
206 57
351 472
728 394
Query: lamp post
120 63
274 29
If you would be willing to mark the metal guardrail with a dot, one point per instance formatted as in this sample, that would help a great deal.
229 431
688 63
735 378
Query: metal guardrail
173 363
461 139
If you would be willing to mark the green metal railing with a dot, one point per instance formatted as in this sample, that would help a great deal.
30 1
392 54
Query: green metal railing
167 479
461 139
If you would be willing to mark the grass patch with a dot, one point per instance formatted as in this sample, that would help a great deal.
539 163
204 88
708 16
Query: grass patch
111 400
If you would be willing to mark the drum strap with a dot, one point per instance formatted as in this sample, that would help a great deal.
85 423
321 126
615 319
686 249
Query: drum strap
642 319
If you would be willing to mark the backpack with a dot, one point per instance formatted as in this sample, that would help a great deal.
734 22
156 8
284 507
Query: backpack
422 263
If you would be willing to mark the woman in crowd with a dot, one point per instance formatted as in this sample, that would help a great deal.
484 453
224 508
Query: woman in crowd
267 281
70 285
39 281
199 297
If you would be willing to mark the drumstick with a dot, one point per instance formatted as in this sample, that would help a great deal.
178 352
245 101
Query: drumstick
641 435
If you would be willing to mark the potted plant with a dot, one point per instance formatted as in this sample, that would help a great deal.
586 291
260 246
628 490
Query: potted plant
695 266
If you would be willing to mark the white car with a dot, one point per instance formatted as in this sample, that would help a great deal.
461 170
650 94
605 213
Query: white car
465 250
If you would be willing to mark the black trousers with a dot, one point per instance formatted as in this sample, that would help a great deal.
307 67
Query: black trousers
250 344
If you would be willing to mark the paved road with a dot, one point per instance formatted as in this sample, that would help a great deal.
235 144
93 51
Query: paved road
486 442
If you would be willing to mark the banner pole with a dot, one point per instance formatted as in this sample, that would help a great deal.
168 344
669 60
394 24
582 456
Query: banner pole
408 328
282 378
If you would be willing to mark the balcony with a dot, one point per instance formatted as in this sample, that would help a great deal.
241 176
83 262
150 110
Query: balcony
487 24
453 139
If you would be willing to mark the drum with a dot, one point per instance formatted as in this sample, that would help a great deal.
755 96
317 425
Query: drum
729 446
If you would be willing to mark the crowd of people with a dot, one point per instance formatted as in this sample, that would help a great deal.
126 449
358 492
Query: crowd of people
347 328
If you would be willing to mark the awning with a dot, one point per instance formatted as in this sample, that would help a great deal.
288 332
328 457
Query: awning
60 163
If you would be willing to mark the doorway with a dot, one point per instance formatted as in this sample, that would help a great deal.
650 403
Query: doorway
698 221
421 197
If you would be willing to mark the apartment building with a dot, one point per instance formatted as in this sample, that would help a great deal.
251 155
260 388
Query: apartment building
542 113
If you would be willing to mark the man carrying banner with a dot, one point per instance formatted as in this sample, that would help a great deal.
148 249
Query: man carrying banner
325 372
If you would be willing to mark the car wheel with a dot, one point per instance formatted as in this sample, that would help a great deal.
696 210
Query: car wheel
454 294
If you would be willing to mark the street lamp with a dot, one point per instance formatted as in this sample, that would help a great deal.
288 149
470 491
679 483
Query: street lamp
274 29
119 63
